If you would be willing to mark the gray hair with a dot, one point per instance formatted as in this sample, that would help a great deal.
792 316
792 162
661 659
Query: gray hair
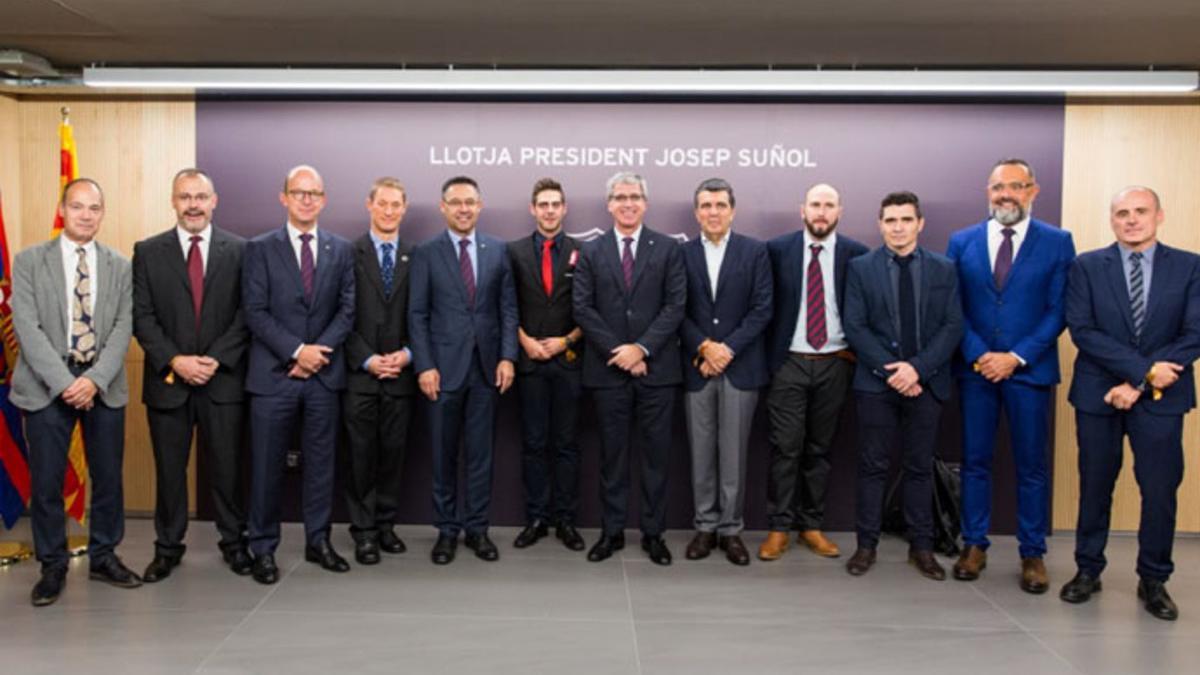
625 178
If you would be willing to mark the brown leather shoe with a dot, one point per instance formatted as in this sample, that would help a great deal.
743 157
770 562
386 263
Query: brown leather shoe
1033 576
927 565
860 562
774 546
735 550
970 563
818 543
701 545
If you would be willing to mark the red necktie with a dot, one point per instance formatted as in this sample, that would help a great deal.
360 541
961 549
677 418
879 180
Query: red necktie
817 336
195 265
547 267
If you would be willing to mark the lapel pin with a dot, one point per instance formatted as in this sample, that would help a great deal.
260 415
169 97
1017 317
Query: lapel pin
403 258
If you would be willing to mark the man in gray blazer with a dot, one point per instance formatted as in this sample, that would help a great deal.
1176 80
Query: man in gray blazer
72 314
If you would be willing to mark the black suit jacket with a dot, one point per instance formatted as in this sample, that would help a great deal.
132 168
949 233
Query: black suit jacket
787 263
543 316
164 323
380 321
649 313
870 321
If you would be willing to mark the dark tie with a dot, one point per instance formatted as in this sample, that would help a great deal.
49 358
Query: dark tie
388 269
547 267
817 335
627 262
908 309
306 266
83 332
1004 258
195 265
1137 300
468 273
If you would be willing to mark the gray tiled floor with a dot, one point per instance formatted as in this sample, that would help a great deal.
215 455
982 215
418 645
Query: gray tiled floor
547 610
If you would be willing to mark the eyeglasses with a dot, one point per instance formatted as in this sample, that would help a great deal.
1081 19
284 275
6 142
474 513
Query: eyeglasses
1011 187
626 199
301 195
462 203
200 197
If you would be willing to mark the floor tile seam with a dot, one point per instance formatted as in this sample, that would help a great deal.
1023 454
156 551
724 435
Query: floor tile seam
508 618
637 650
811 623
1032 634
246 619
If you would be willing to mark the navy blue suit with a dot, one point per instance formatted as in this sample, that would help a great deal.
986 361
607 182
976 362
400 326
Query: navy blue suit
1110 353
464 342
280 320
648 314
1024 317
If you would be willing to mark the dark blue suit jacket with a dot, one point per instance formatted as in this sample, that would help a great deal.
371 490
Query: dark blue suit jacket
870 321
444 331
649 314
787 262
1026 316
1101 325
280 319
738 316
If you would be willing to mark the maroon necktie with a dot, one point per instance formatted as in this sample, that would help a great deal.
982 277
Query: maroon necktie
817 335
306 266
195 265
547 267
468 274
1004 258
627 262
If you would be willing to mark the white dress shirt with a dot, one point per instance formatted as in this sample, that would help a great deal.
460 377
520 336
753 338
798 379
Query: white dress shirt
70 259
294 237
835 337
637 237
714 255
995 237
185 241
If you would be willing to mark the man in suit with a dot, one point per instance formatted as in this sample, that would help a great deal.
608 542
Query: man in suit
298 301
811 365
1012 272
187 316
380 385
72 318
724 364
629 294
904 321
1133 310
548 378
462 318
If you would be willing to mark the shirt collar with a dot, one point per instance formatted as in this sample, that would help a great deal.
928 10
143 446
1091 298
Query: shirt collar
69 246
294 232
637 235
1147 255
720 244
456 237
540 238
377 242
185 237
994 227
827 244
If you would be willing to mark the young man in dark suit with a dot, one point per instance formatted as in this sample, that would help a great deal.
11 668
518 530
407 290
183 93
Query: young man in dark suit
187 316
380 385
904 321
548 378
462 318
1133 310
724 365
629 295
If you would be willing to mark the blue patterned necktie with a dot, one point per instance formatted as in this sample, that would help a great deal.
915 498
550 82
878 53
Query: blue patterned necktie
83 331
388 269
1137 300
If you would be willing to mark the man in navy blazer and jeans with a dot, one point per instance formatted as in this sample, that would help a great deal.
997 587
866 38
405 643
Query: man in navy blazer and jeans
1133 310
462 324
724 365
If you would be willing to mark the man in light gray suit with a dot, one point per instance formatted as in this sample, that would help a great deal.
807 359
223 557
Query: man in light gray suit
72 314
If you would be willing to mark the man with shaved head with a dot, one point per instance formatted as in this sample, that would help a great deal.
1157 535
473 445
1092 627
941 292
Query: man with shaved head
811 367
1133 309
296 368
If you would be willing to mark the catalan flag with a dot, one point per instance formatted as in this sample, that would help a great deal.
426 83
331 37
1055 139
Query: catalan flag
14 467
75 483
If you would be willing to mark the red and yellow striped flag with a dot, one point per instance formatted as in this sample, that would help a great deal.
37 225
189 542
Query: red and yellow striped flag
75 482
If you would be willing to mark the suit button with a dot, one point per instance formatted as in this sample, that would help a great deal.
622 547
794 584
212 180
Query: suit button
999 301
716 321
629 312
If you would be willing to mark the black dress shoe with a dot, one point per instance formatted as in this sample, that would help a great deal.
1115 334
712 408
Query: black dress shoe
1079 588
927 565
390 543
1155 599
861 562
735 549
239 560
264 569
657 549
700 546
569 536
530 535
443 549
606 546
112 571
483 547
159 568
366 552
324 555
49 587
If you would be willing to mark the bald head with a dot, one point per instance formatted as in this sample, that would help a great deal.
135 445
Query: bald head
1125 192
821 210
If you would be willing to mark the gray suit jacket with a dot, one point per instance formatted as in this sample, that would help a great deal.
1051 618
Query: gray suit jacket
39 315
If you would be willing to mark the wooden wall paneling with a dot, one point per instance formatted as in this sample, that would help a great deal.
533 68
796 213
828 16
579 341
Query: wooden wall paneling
10 170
